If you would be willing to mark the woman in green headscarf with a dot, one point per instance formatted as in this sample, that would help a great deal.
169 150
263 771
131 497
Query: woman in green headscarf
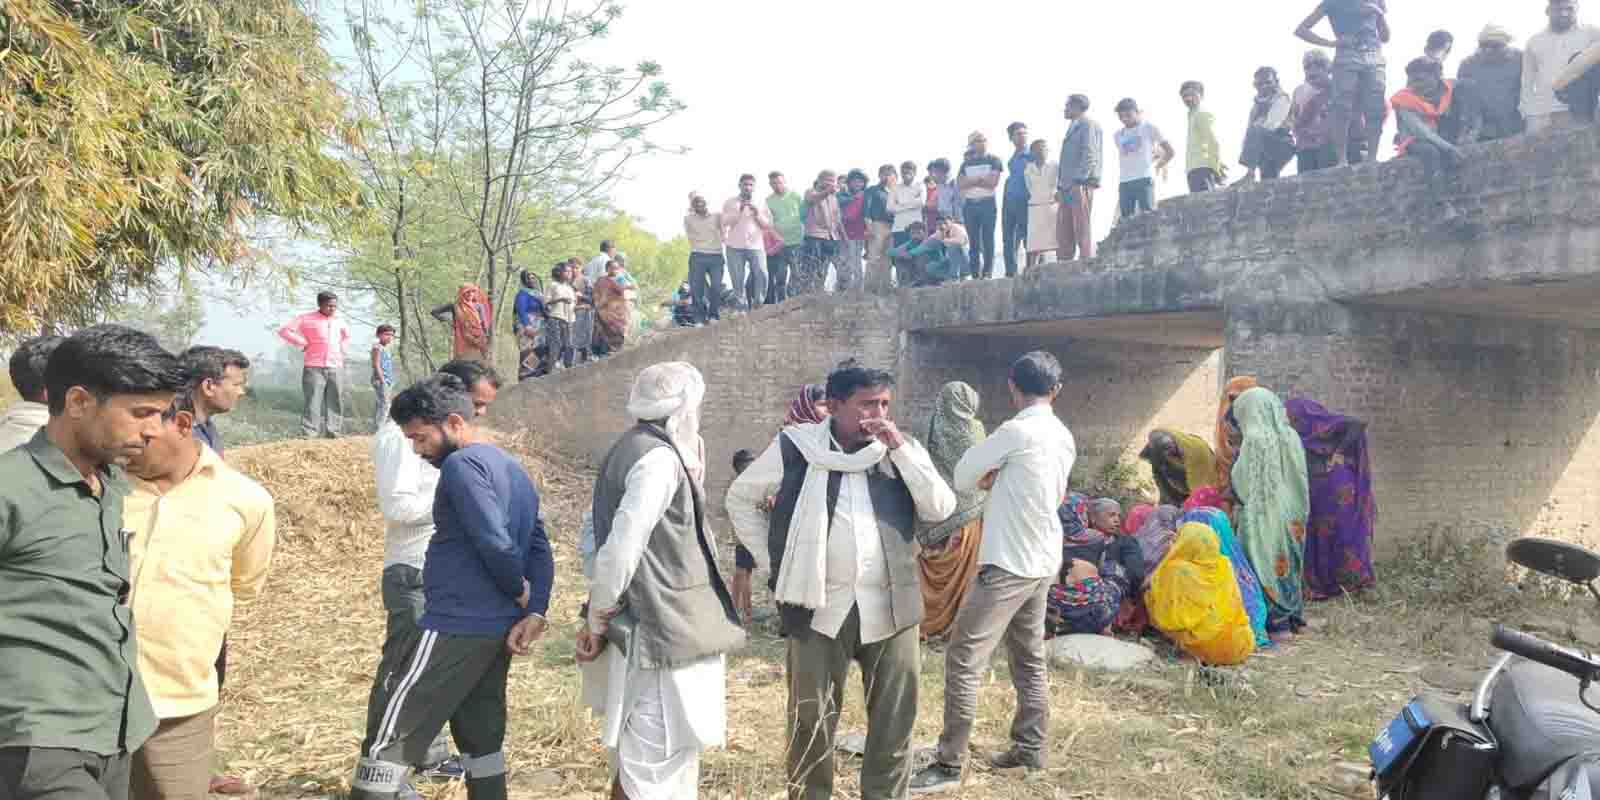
950 548
1271 482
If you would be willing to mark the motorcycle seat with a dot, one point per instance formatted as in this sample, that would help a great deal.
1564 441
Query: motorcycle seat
1539 722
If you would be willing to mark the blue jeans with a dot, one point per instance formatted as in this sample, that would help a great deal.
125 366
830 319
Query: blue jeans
1013 230
1136 195
979 216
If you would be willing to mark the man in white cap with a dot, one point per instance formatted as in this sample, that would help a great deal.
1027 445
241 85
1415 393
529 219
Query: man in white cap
652 649
1489 88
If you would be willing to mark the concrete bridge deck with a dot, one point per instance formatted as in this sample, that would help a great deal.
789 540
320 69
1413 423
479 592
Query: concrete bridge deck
1463 325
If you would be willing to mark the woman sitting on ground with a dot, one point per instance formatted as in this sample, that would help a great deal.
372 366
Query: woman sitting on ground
1194 599
1179 461
1099 567
949 559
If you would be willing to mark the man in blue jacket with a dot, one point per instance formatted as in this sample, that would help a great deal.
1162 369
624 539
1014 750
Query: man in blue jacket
486 579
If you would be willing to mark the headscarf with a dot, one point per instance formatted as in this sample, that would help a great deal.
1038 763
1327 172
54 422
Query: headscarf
1156 534
1224 450
1194 457
672 391
1074 516
1255 605
952 431
1194 599
1204 497
803 411
471 325
1136 517
1270 479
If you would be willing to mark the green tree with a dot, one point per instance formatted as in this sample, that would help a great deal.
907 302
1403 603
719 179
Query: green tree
489 140
141 133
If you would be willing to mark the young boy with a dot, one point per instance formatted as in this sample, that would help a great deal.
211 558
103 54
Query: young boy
1145 153
560 308
382 375
1203 162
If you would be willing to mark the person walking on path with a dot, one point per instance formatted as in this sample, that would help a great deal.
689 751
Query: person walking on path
1025 465
73 706
486 581
1082 150
201 540
840 546
322 337
661 685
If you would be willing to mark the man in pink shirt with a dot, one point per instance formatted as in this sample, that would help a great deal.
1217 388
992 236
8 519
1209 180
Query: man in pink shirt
323 338
743 223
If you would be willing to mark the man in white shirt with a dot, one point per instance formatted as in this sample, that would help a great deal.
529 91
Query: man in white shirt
907 201
1143 154
839 544
663 686
1544 59
25 417
1024 464
406 486
596 268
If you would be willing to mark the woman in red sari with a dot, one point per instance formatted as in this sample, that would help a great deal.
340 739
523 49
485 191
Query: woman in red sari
613 312
470 319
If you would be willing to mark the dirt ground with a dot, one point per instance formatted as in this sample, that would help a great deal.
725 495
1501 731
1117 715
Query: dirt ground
1293 722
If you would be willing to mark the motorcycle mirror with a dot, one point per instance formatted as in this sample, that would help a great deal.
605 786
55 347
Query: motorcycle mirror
1560 559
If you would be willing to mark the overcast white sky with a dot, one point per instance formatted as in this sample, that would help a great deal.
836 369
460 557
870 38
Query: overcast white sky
799 85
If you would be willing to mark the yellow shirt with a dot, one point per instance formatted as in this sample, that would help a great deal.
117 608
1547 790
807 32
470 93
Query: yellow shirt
194 551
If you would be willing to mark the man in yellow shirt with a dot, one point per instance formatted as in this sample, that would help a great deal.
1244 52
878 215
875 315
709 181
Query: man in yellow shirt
201 539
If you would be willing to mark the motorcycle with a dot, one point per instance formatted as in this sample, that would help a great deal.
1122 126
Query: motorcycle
1531 731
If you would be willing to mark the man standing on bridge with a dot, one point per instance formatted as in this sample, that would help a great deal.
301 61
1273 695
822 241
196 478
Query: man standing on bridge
487 581
1360 30
322 337
1081 152
843 559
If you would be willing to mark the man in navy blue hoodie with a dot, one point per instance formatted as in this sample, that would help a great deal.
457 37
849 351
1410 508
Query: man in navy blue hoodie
486 580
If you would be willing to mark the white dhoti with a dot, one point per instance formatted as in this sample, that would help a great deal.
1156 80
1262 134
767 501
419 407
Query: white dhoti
658 721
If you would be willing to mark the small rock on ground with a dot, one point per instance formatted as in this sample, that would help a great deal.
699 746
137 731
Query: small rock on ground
1099 652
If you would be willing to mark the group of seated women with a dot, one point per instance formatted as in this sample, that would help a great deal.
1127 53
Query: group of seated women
1281 510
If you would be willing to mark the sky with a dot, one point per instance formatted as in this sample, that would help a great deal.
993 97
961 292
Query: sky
802 86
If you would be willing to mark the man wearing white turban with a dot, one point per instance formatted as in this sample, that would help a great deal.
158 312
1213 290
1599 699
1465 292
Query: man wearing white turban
659 618
1489 88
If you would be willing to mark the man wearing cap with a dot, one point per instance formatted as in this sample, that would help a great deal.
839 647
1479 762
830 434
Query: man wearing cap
1489 88
660 680
978 178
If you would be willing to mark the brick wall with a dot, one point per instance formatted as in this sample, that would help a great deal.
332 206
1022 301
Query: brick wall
1113 393
753 366
1476 424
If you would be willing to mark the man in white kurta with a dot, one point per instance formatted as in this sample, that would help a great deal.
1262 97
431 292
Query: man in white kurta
657 720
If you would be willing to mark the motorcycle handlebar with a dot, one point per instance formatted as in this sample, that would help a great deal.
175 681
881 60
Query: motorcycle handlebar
1577 664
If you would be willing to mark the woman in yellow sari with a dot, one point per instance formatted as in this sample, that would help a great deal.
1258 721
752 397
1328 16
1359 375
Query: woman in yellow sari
1181 463
613 312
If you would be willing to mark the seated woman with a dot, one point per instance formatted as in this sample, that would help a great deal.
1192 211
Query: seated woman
1155 534
1194 599
1099 568
1255 604
1179 461
1338 542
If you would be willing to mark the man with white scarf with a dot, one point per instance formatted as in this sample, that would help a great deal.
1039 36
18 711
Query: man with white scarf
840 546
662 685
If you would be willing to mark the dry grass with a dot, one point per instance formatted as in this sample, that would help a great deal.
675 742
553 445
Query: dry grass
1292 723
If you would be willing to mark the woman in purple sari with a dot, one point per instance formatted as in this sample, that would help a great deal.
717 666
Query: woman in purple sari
1338 544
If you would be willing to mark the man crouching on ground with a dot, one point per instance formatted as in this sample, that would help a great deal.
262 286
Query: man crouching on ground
486 584
843 566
